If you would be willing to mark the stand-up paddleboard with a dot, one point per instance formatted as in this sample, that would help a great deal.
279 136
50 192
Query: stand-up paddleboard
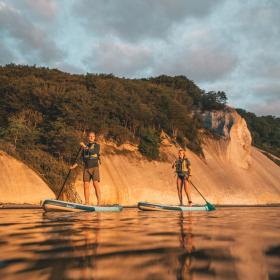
59 205
159 207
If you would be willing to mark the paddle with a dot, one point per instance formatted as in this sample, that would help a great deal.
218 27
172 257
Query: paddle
209 205
68 174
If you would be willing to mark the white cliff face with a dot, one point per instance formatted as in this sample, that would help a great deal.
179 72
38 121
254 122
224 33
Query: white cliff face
219 122
20 184
232 172
239 146
233 128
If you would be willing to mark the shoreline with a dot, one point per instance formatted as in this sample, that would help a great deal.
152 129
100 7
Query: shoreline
12 206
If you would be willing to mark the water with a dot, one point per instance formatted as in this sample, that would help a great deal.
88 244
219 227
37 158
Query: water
230 243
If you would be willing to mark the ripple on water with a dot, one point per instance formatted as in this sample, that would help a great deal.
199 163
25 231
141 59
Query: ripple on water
231 243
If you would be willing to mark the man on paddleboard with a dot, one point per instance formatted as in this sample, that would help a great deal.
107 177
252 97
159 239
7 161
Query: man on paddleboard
183 170
91 160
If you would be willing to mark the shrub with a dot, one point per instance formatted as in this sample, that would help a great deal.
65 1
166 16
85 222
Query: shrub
149 144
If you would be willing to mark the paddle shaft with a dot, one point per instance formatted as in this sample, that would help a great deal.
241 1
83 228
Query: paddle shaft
68 174
198 191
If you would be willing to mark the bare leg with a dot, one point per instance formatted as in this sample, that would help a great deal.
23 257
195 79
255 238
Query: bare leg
86 192
97 191
187 190
63 196
179 190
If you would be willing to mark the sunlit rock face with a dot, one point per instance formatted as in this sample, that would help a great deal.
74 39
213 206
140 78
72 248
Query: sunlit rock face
239 147
20 184
219 122
231 171
230 126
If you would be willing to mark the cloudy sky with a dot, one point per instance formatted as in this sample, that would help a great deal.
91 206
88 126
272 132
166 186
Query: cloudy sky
220 44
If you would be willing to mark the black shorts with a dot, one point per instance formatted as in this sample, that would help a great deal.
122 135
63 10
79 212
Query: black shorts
91 174
183 176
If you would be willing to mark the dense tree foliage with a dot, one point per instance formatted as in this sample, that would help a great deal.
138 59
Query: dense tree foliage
44 113
265 131
149 143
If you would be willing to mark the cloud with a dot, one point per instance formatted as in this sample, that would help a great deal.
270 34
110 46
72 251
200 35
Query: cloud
261 97
6 56
119 58
29 40
45 8
268 87
251 30
265 108
265 98
69 68
198 55
221 45
140 19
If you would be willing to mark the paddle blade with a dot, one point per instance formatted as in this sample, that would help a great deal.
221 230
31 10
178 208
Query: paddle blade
210 206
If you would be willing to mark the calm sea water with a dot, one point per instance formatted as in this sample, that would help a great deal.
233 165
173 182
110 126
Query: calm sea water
230 243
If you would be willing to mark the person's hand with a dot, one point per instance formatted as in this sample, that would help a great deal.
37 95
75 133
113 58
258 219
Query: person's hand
73 166
83 145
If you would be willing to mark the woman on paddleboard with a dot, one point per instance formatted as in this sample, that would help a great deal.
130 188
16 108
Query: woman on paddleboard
183 170
91 160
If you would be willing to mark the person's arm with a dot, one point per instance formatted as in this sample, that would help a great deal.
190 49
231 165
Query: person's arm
99 155
189 168
75 165
83 145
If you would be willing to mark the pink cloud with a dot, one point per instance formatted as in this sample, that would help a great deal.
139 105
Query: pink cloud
120 58
46 8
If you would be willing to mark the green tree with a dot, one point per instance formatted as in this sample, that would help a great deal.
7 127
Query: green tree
22 129
149 144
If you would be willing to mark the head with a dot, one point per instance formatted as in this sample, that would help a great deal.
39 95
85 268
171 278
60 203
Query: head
91 136
181 153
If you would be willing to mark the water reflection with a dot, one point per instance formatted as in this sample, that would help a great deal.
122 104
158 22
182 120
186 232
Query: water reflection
227 244
204 260
80 246
187 243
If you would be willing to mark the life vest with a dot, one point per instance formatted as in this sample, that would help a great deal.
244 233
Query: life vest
91 153
182 166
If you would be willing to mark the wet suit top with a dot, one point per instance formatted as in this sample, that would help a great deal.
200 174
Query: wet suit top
91 155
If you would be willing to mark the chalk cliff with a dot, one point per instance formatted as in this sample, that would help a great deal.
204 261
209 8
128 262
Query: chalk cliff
232 172
19 184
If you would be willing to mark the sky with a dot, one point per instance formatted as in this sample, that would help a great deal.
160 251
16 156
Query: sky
227 45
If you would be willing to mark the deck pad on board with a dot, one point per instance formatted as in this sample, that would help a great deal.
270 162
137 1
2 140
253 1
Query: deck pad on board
59 205
161 207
